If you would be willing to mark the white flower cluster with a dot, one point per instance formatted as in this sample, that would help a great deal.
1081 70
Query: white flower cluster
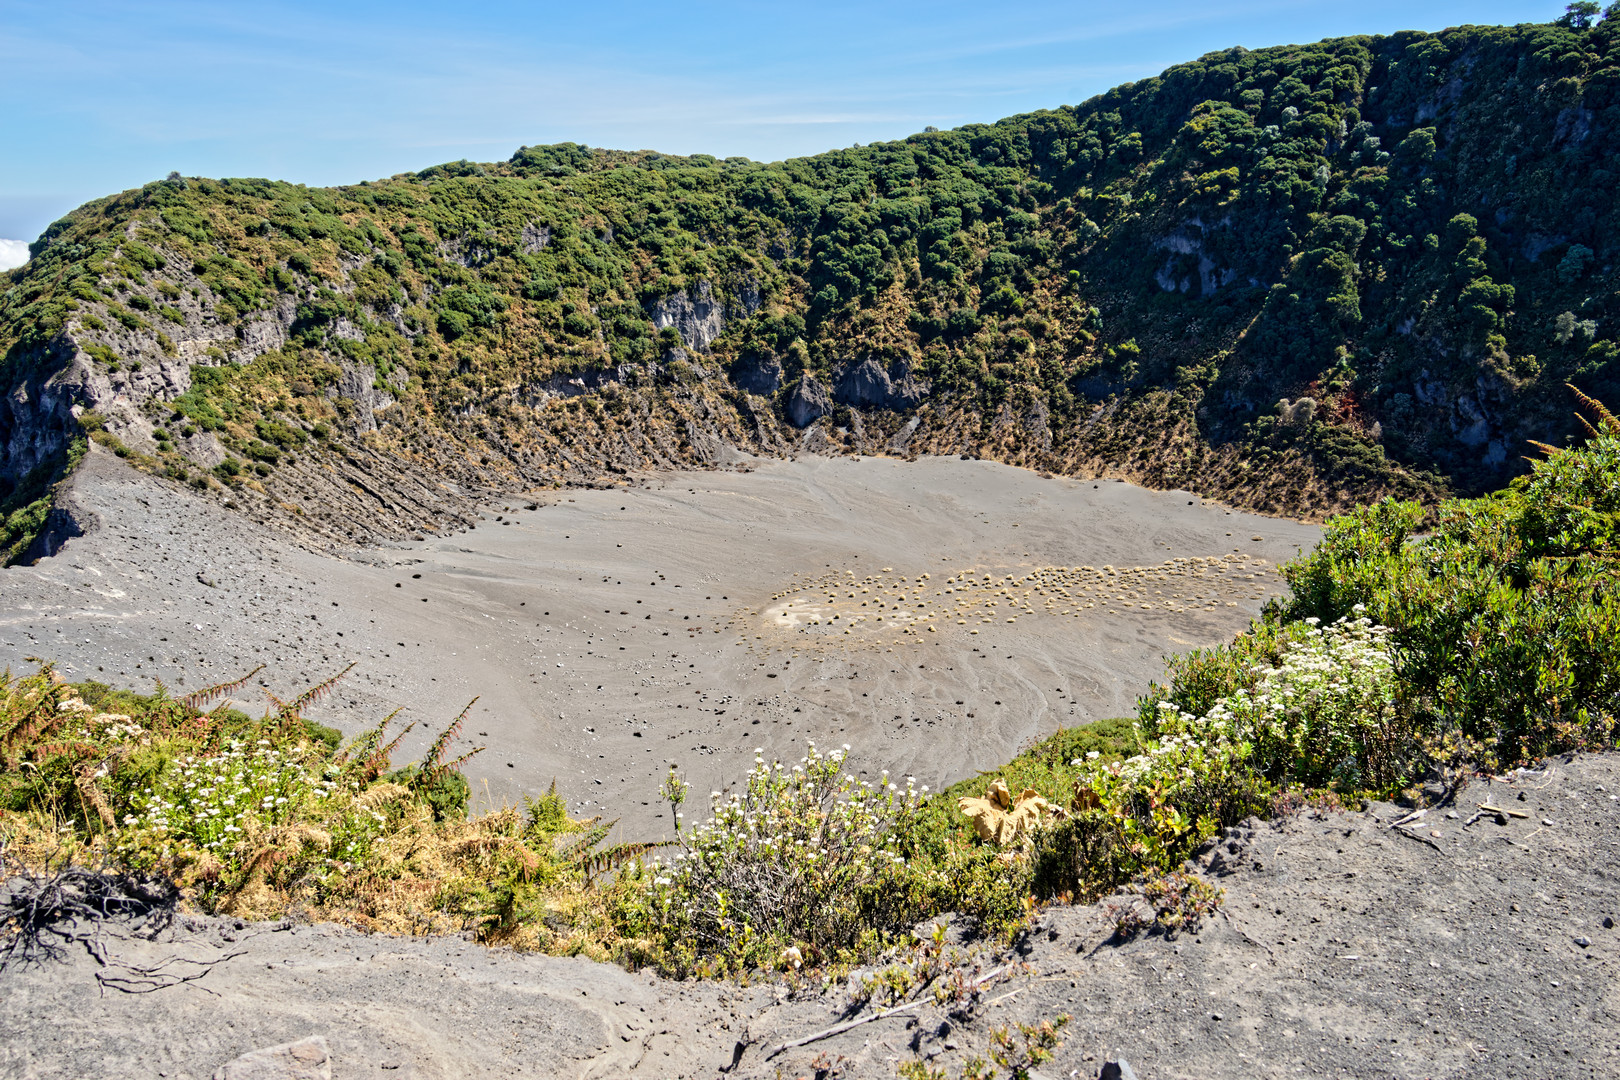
205 802
1324 713
1321 715
793 838
103 727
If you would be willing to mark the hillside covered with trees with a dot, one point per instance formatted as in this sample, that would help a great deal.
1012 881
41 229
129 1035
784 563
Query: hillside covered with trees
1297 278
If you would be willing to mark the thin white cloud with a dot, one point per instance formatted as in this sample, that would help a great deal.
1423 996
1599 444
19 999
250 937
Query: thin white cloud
13 253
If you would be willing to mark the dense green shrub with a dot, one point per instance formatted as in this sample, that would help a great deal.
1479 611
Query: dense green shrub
1505 618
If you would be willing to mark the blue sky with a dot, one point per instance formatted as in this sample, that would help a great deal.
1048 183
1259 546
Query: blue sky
99 97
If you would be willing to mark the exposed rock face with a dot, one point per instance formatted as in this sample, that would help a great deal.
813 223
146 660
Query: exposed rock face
535 238
809 402
257 334
358 383
61 525
697 315
1472 415
469 251
758 374
582 382
36 415
868 385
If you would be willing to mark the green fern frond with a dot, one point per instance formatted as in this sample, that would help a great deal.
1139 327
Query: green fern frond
379 759
593 832
363 747
453 763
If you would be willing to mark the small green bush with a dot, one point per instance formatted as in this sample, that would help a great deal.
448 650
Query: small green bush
804 856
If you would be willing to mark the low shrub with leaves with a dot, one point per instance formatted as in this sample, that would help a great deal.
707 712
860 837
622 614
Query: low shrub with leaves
1017 1049
1501 625
804 856
1505 618
266 817
1327 714
1178 900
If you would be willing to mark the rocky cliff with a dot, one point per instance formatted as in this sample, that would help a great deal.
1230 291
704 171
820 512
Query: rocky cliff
1294 278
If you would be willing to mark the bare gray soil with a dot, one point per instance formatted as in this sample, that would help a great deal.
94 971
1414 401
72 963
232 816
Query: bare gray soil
609 633
691 618
1346 948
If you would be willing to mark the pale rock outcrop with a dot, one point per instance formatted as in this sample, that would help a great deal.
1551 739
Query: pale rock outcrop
697 315
534 238
306 1059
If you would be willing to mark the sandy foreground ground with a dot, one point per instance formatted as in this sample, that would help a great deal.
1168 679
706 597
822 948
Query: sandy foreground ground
1353 946
935 615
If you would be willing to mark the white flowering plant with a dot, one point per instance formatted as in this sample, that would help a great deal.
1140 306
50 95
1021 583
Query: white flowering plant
1328 715
221 810
204 801
804 856
240 812
1312 705
1303 705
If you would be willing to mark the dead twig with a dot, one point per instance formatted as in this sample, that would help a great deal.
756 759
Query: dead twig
44 913
1420 839
839 1029
145 980
1413 816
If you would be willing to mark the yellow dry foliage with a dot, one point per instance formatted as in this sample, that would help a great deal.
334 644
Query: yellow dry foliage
1002 818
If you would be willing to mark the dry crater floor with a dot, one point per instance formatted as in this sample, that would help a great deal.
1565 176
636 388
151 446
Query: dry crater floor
935 615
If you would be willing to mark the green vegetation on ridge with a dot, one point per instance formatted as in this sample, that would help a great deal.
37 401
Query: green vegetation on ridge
1297 277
